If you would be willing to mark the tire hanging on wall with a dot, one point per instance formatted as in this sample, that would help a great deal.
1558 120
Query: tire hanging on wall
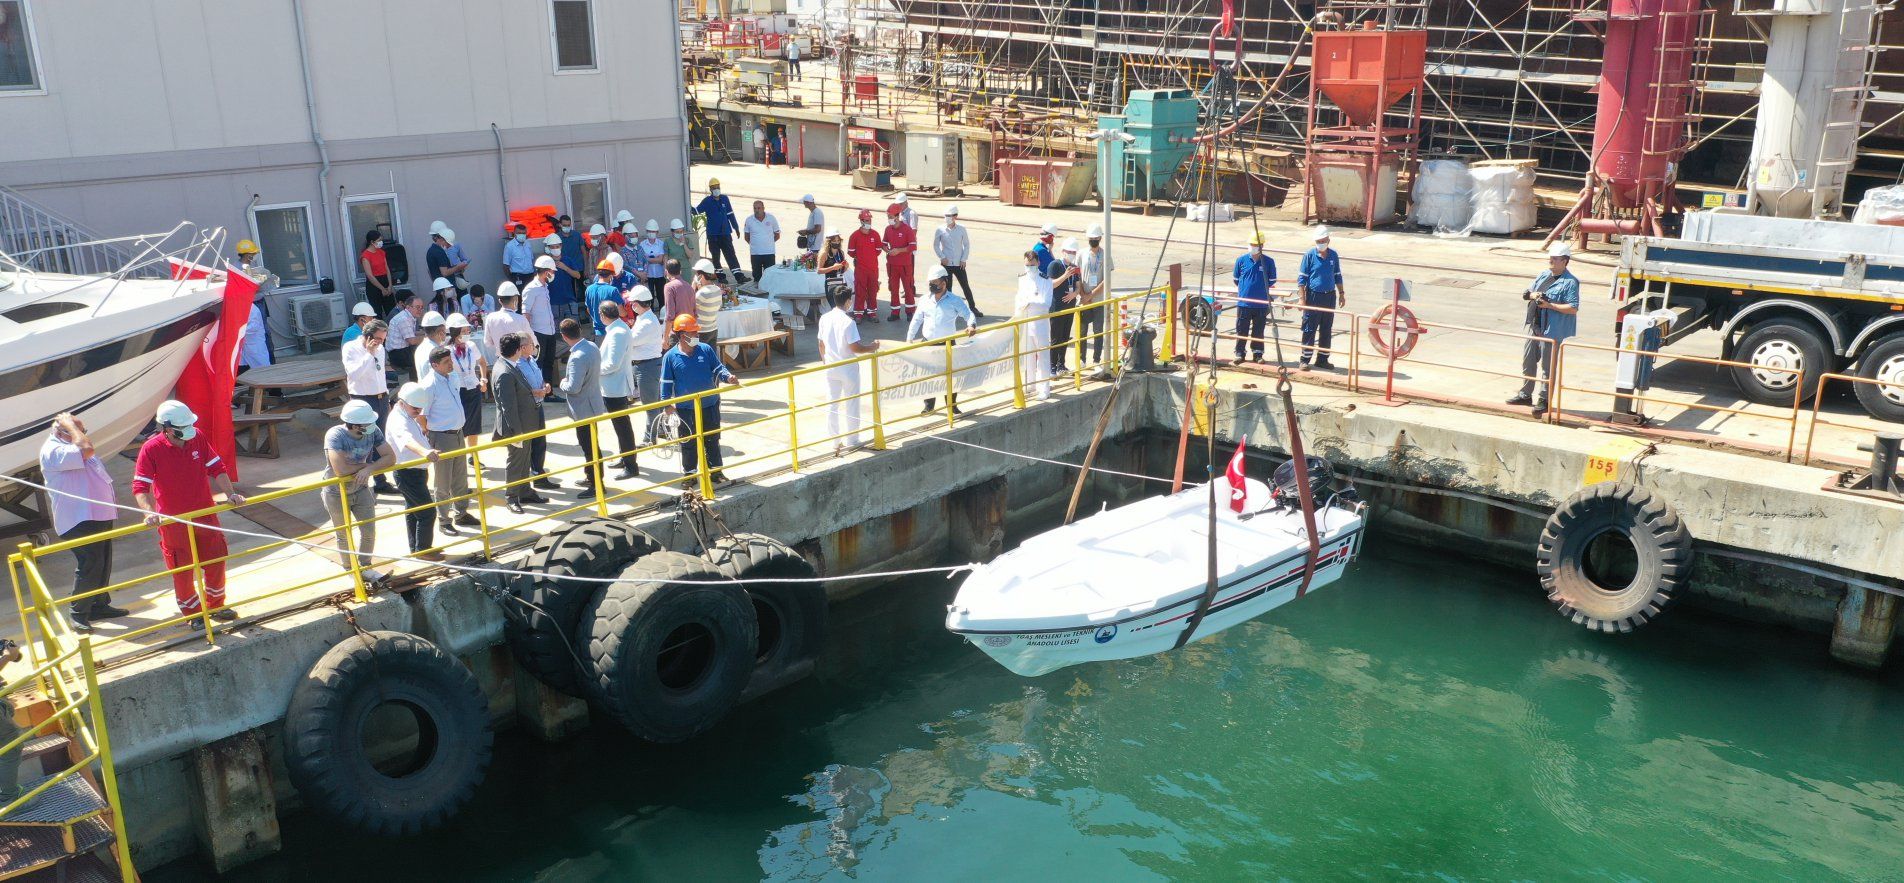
1659 541
324 733
671 655
548 638
791 616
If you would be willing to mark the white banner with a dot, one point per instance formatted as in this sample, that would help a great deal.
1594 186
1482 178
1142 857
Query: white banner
919 373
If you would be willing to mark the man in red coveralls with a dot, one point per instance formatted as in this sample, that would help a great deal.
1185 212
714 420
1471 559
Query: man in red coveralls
174 474
865 246
901 242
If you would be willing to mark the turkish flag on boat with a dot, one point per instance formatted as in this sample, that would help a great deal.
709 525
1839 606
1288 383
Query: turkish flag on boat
186 270
211 374
1239 490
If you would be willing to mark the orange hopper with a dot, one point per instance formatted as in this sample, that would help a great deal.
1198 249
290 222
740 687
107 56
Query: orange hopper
1365 72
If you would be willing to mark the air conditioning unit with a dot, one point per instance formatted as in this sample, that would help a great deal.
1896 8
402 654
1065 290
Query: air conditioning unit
317 314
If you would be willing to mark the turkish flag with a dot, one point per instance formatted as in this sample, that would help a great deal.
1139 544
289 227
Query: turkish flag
1239 490
209 377
185 270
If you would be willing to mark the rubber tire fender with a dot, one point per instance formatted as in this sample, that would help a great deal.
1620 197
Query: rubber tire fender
791 616
323 733
1661 543
632 623
548 637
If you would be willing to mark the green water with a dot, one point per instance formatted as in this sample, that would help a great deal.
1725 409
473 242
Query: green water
1421 719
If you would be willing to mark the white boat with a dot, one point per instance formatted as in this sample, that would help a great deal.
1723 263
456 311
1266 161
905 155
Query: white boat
107 348
1128 581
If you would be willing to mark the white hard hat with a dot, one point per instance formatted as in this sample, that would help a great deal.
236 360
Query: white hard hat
624 216
545 263
173 412
614 257
1070 245
832 232
1095 231
440 283
363 308
936 273
456 320
449 236
437 228
1322 232
595 230
704 266
416 395
643 294
431 319
509 289
359 412
807 198
951 211
654 226
1560 250
628 227
552 239
1049 229
677 225
901 198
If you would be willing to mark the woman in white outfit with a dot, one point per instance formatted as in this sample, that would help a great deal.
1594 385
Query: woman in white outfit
839 341
1034 300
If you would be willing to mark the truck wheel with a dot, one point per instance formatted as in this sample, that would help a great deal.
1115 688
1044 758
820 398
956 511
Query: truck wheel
1885 364
1780 344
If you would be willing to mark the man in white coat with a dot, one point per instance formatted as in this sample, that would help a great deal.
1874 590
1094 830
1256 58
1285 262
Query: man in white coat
839 341
1033 302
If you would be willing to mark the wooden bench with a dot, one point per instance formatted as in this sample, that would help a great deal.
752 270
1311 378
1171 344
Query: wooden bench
755 350
247 427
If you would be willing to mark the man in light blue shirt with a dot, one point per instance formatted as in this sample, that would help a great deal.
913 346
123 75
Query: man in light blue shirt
1319 283
939 317
1553 310
518 256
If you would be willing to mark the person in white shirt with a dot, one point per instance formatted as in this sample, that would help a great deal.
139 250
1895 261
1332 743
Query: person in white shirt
82 504
647 343
1034 301
839 341
433 336
762 231
618 379
953 246
404 333
811 237
472 375
536 305
507 319
407 439
443 423
793 58
939 317
364 376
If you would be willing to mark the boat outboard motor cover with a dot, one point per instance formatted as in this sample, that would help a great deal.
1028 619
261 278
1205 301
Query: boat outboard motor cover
1283 488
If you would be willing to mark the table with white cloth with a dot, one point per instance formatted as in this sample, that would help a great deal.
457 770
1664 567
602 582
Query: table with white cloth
801 289
753 315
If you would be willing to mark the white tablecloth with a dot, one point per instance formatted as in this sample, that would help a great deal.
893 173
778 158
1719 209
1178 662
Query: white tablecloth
783 281
753 316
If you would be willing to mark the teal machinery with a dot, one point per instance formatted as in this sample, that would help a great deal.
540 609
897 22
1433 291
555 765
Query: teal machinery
1163 121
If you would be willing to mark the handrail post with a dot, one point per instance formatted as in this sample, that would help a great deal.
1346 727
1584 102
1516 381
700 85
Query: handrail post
197 574
109 774
793 424
1798 400
346 528
879 423
949 404
19 603
1018 367
482 505
598 470
1555 388
1077 345
1355 352
705 474
1115 312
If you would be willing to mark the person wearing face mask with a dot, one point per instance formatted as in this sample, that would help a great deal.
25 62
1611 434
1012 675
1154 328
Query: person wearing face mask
816 224
940 317
536 306
408 442
691 367
175 472
1033 302
1319 283
621 234
1091 291
865 245
376 269
720 225
349 450
901 242
518 256
655 258
1255 275
570 259
953 246
680 245
1064 294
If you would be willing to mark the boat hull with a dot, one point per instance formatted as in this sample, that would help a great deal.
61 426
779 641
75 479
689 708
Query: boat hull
1238 600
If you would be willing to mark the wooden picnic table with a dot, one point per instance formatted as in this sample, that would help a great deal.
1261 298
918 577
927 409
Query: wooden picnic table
324 375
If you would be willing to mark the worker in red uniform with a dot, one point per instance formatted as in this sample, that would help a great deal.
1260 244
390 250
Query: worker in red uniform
173 475
865 246
901 243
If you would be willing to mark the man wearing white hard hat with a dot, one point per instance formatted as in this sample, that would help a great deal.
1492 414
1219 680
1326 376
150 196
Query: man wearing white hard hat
618 376
1046 249
175 473
622 232
437 257
1063 273
352 450
952 245
654 257
433 336
811 234
680 247
459 260
1319 284
1091 291
939 317
443 423
407 439
507 319
1553 308
537 304
471 370
906 214
361 313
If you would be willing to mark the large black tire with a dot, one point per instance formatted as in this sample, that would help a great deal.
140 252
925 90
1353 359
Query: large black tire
1883 362
791 617
1199 313
671 655
1587 581
1780 343
324 733
549 637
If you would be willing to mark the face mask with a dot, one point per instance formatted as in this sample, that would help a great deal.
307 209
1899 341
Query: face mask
554 250
866 225
714 192
1256 251
186 433
522 237
1094 242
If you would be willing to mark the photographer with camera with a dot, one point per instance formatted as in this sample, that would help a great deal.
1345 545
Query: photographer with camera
1553 307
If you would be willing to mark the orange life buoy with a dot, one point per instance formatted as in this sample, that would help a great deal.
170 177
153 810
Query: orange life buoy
1401 321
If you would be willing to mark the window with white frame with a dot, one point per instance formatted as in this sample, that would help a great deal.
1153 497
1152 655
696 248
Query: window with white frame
588 200
363 214
19 62
285 246
572 31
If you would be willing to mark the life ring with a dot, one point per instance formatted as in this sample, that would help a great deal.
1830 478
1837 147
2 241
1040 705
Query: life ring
790 616
671 654
1407 330
548 637
332 709
1595 538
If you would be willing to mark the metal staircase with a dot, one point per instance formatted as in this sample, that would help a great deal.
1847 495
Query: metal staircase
62 833
41 240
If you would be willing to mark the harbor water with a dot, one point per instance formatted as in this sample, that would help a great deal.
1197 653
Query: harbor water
1423 718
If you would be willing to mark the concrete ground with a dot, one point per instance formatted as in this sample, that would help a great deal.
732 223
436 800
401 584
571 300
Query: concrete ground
1458 285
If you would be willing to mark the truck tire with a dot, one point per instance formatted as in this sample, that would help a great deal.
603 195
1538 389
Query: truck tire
1780 343
791 616
1588 582
673 646
551 635
1883 362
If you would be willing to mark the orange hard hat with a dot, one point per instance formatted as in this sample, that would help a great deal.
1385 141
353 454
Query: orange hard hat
685 324
606 265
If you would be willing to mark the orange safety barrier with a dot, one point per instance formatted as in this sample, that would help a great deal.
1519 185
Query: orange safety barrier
1791 419
1817 403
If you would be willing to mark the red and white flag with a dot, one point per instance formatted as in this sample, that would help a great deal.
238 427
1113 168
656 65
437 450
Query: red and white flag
186 270
207 382
1239 490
